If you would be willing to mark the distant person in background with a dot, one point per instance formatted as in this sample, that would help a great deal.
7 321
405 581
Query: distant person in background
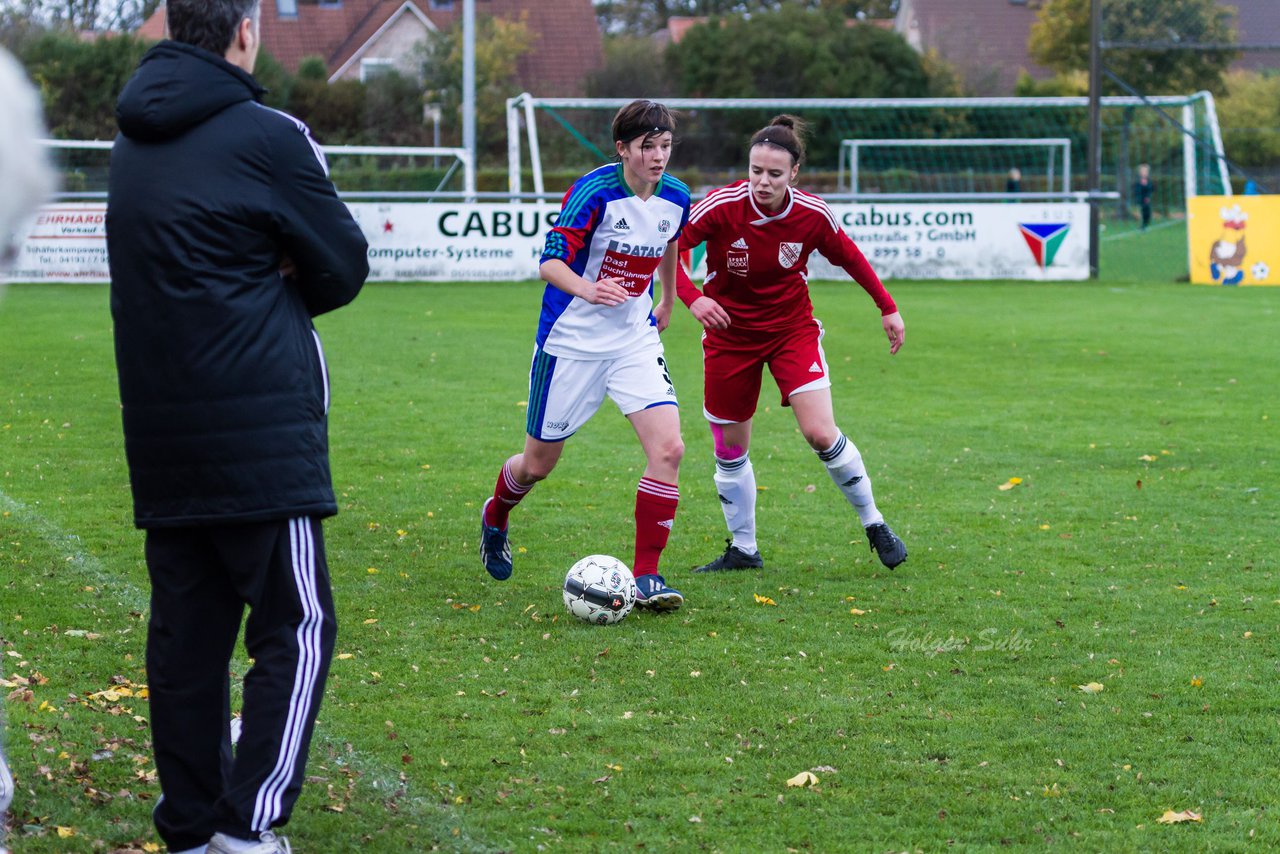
1014 183
1142 192
27 180
225 238
1251 188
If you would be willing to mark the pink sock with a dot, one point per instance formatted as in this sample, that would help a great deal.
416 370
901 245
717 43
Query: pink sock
656 504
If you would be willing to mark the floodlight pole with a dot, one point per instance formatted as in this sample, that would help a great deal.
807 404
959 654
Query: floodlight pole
469 79
1095 130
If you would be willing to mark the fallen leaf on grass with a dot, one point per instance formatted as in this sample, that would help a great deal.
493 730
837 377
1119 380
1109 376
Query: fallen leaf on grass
1091 687
1171 817
1010 484
857 612
764 600
803 779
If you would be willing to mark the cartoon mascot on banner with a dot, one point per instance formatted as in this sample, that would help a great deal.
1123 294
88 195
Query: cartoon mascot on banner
1226 256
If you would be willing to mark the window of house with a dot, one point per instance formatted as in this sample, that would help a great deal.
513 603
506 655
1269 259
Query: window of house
441 5
287 8
371 68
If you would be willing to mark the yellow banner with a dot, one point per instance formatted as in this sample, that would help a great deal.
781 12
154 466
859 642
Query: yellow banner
1234 240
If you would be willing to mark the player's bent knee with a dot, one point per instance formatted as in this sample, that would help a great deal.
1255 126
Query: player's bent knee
822 439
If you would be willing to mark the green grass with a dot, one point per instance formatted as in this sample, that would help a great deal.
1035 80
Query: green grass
467 715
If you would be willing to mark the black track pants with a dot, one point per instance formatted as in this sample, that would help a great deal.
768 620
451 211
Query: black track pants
201 580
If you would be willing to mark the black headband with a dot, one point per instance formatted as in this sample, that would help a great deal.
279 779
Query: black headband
646 132
787 147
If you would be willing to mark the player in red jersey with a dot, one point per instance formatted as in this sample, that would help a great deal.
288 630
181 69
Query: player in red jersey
755 312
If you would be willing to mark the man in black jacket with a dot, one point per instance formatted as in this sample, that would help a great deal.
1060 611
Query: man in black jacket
225 237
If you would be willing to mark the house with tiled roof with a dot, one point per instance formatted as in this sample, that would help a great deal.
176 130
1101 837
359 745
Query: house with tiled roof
985 41
1258 24
360 38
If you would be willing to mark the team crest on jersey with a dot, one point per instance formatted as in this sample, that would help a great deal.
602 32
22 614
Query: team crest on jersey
789 253
664 227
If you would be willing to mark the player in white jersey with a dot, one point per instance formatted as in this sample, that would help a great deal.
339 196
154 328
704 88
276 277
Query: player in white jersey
598 336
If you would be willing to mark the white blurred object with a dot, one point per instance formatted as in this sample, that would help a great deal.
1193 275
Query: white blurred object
26 180
25 173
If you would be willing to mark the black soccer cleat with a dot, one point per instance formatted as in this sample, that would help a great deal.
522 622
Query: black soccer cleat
733 558
495 549
886 545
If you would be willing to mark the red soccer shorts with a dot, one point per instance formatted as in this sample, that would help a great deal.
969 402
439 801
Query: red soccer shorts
733 364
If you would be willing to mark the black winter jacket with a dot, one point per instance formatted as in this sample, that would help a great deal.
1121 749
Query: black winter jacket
222 379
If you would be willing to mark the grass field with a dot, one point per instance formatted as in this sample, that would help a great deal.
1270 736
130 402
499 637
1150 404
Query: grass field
937 705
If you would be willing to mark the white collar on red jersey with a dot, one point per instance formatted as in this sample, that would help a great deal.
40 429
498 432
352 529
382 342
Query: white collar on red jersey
765 219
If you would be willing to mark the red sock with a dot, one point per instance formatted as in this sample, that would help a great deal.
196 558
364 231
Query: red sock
656 504
506 494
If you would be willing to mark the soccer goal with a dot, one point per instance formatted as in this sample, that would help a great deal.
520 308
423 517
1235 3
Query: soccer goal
922 147
947 167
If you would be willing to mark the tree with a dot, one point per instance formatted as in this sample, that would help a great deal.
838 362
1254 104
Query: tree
1060 40
1250 114
796 53
645 17
792 52
633 67
79 81
500 42
84 15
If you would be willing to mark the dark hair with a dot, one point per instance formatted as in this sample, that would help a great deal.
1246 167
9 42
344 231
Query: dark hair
209 24
642 118
785 132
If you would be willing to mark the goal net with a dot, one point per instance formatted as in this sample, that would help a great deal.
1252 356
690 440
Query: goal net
945 145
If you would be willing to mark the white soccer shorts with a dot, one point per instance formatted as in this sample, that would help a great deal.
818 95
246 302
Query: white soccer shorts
565 393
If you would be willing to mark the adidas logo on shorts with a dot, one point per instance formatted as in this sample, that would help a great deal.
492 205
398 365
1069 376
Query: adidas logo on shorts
815 368
738 244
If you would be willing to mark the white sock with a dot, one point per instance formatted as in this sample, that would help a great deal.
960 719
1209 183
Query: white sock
235 843
200 849
736 486
844 464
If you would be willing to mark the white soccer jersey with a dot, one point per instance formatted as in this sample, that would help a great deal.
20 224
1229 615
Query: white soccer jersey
606 231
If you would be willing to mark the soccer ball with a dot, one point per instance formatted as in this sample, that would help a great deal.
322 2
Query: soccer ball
599 589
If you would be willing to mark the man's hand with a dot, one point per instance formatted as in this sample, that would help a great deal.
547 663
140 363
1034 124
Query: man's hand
709 313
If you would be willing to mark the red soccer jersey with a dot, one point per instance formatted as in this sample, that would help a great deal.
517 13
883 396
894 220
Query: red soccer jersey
757 264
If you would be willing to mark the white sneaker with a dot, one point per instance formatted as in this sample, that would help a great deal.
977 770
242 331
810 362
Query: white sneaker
268 843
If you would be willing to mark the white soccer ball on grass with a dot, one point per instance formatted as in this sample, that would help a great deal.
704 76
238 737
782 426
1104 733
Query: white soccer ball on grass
599 589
